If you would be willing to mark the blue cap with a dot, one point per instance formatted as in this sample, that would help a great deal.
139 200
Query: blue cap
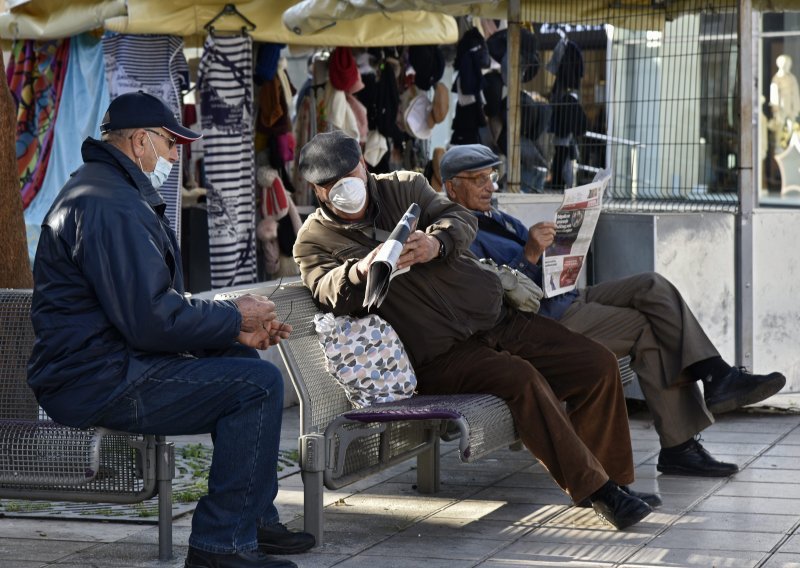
466 158
142 110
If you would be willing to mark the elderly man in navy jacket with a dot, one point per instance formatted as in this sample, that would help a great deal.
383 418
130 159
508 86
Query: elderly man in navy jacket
644 316
119 345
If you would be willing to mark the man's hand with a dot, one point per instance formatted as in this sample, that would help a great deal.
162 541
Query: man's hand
420 247
363 265
257 312
266 337
540 236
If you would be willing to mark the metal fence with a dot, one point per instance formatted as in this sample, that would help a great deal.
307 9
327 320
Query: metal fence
655 99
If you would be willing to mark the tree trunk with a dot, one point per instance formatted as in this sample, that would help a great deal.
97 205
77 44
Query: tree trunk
15 269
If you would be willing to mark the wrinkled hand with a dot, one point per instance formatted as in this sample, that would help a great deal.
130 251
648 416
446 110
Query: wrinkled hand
420 247
257 312
363 265
540 236
265 337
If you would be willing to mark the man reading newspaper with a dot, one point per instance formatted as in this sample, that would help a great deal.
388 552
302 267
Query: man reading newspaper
460 337
643 315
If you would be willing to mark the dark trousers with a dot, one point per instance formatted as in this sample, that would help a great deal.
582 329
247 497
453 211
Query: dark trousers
535 364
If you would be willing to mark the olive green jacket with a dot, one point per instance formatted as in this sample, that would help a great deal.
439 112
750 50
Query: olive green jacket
433 306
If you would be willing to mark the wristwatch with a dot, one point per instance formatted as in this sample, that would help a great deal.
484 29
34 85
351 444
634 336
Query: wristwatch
442 249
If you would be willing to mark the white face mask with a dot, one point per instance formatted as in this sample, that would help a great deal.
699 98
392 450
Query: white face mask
348 195
162 169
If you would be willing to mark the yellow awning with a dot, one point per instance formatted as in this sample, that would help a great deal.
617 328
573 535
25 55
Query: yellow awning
39 19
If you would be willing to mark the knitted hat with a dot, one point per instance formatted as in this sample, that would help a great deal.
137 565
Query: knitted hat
342 70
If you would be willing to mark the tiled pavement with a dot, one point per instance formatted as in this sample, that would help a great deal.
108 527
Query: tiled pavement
502 512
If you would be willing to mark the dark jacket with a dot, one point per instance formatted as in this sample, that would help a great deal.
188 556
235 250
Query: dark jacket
108 303
433 306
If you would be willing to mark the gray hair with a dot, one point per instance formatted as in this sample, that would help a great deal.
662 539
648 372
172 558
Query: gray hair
117 137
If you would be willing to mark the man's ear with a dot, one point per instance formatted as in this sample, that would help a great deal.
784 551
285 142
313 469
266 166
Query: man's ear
137 143
448 189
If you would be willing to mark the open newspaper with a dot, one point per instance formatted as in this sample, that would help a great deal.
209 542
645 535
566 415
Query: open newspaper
576 220
384 265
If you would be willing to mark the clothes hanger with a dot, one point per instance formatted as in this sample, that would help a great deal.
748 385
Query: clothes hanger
230 10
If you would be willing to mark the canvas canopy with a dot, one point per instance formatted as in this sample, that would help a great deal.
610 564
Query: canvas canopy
47 19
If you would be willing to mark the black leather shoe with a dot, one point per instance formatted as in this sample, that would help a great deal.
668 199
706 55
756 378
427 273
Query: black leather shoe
651 499
694 460
739 388
277 539
620 509
197 558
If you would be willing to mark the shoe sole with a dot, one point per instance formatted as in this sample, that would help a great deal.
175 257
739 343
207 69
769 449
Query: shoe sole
763 391
677 470
270 549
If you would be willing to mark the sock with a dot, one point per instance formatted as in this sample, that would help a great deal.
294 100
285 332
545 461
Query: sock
679 447
604 491
708 369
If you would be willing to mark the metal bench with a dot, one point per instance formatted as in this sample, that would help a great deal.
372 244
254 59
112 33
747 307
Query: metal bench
43 460
340 444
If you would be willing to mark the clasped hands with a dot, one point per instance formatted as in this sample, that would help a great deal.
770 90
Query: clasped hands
420 247
260 327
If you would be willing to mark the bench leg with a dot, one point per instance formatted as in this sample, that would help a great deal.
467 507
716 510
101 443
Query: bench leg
312 504
165 472
428 466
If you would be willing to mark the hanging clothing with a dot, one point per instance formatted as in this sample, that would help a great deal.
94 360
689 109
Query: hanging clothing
84 100
226 112
154 64
35 76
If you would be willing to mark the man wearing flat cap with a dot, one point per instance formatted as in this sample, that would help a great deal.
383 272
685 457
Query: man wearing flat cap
118 344
643 316
460 337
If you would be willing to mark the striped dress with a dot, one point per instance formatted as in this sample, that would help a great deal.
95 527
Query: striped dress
156 65
227 115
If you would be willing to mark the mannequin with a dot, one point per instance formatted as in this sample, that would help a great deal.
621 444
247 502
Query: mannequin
784 94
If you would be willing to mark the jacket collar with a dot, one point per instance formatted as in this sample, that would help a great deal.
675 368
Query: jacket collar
99 151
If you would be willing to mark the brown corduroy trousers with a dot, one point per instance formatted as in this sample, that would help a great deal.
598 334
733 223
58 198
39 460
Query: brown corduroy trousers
535 364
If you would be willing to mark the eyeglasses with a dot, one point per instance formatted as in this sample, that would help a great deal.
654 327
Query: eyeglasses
170 141
481 179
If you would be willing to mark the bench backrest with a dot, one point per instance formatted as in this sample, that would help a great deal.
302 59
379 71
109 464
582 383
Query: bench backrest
17 401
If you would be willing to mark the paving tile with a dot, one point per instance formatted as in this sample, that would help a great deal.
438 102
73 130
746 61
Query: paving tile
778 560
425 547
738 522
654 556
314 560
792 545
675 484
577 518
735 449
711 540
757 490
524 513
124 555
526 479
784 450
516 495
769 506
761 475
595 532
28 550
529 552
19 564
444 527
775 462
717 434
52 529
363 561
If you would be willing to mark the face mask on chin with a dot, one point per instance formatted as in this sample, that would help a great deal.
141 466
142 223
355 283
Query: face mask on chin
348 195
162 168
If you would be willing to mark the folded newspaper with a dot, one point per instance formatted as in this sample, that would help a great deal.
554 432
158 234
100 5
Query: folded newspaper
576 220
384 265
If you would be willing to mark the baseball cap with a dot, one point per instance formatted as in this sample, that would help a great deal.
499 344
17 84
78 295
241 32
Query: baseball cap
142 110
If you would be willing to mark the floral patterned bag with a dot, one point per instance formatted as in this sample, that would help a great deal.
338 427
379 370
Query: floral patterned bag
366 356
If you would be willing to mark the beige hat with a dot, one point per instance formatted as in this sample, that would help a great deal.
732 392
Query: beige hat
417 117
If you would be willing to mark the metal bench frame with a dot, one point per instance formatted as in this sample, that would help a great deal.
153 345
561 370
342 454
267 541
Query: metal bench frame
340 444
43 460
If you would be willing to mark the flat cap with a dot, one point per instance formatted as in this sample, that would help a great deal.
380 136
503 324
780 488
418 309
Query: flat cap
466 158
328 156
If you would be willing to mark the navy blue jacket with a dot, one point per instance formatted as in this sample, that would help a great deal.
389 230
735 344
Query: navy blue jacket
108 303
505 245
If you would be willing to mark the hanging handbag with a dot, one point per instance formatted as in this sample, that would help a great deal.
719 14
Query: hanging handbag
519 291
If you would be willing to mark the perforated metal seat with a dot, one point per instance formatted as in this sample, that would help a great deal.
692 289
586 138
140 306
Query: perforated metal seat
43 460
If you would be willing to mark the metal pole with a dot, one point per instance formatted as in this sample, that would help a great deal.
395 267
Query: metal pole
513 114
748 133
